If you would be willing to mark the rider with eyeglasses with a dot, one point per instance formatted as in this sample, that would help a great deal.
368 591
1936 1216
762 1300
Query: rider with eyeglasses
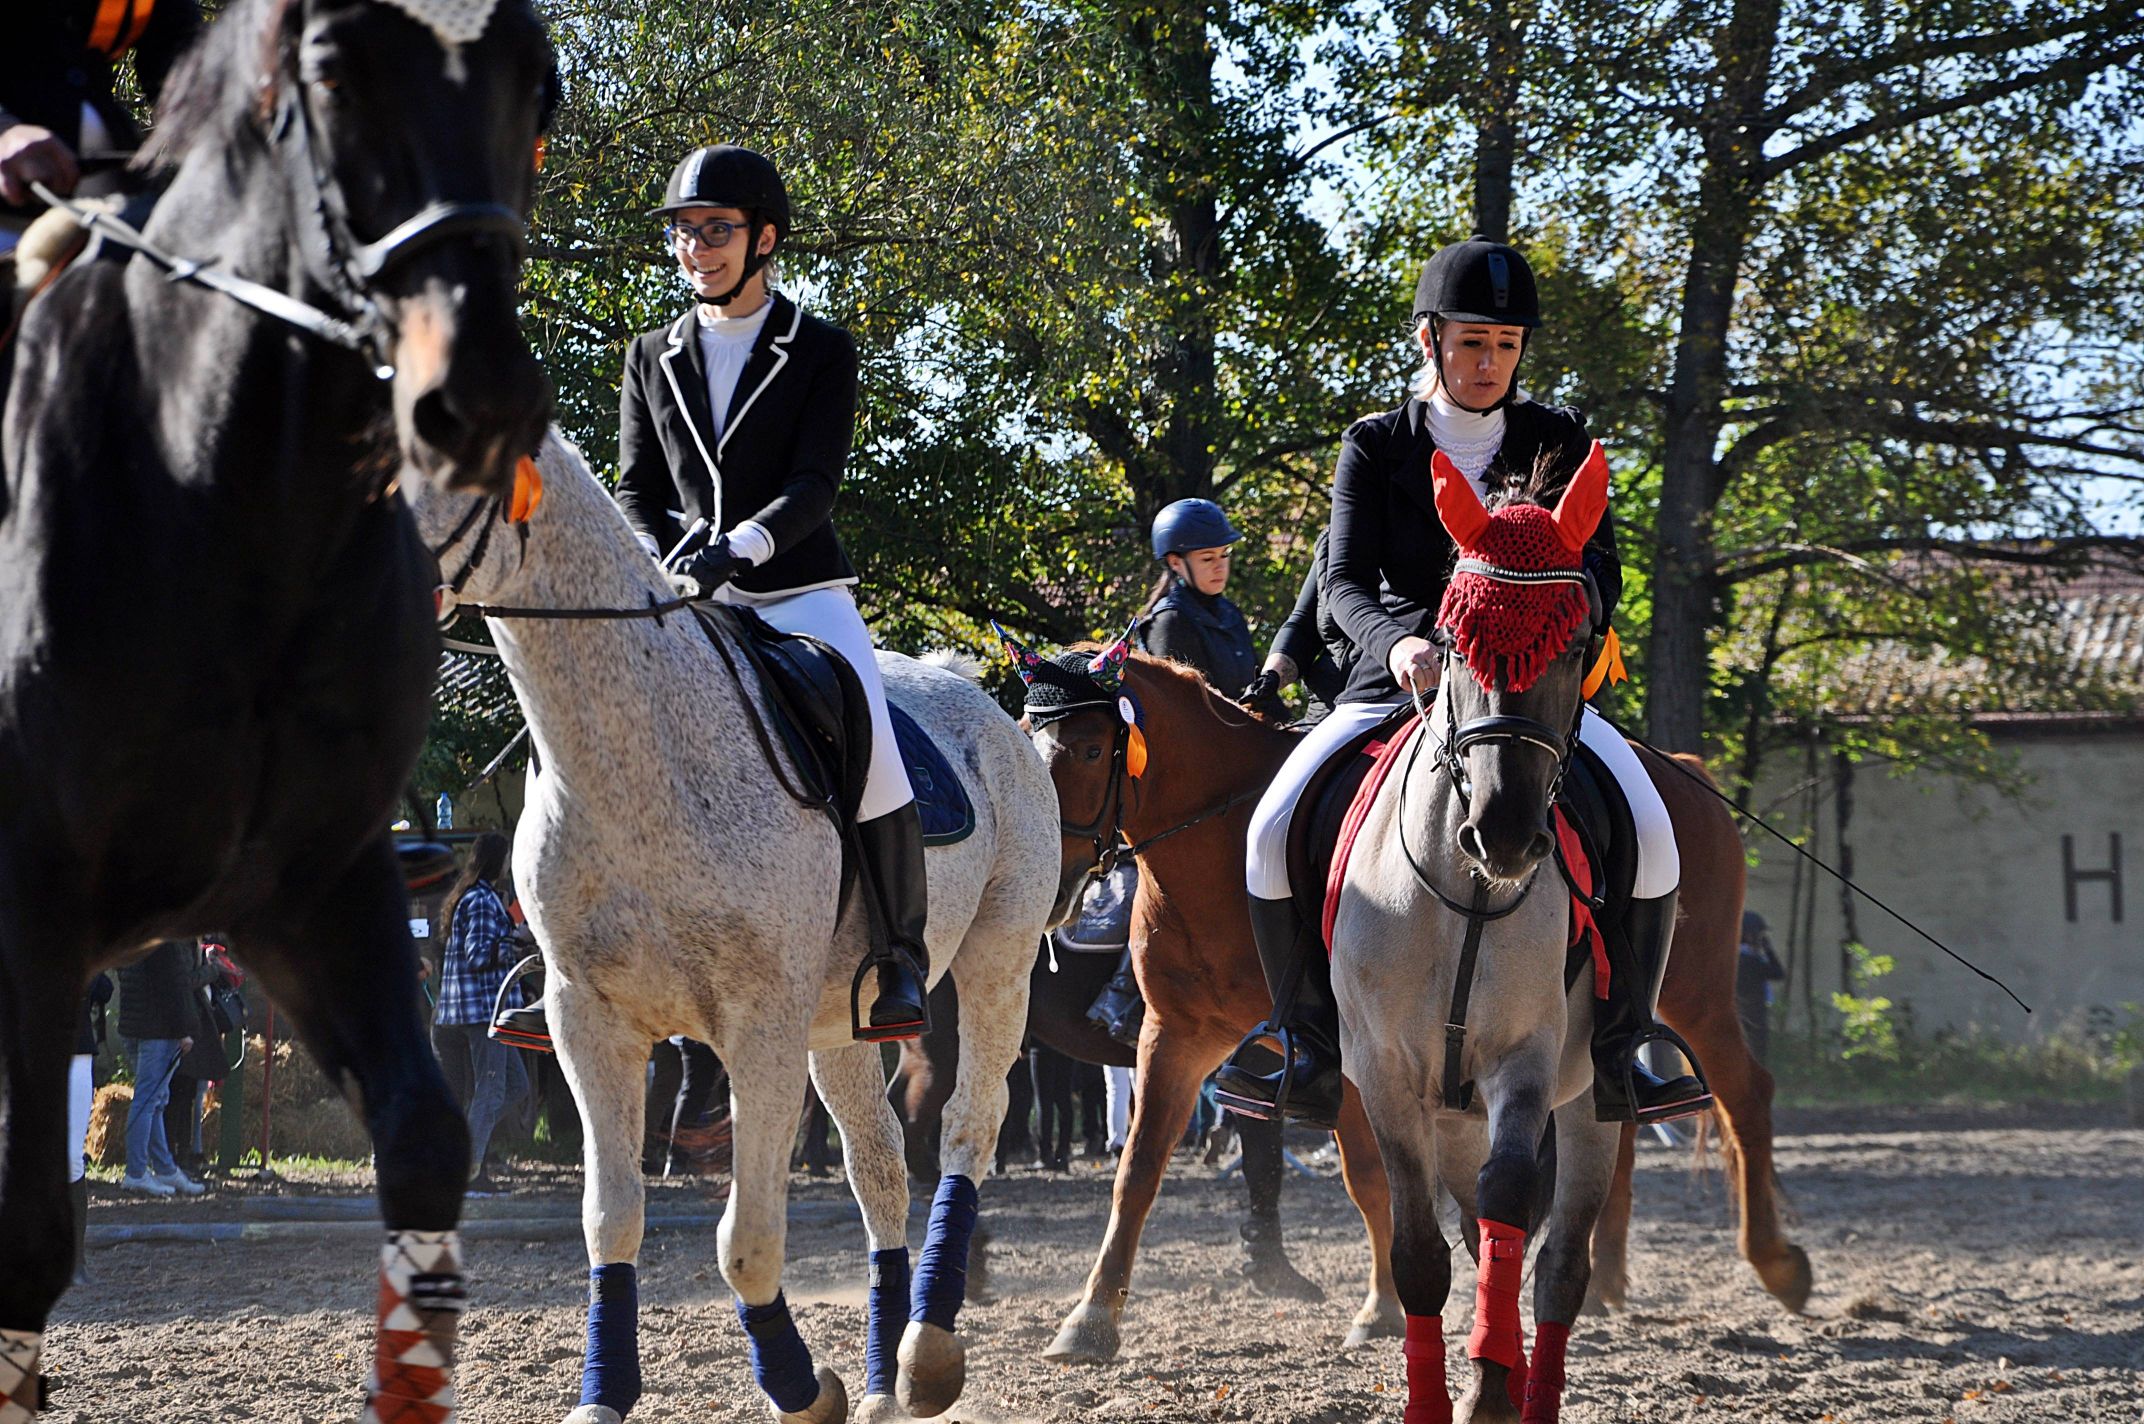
740 413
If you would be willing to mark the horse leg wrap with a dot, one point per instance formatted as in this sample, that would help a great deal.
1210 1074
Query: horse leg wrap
21 1386
610 1371
942 1273
1496 1334
885 1315
421 1302
1429 1401
1544 1381
780 1362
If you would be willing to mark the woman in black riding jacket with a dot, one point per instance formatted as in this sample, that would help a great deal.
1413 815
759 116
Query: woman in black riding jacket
1390 559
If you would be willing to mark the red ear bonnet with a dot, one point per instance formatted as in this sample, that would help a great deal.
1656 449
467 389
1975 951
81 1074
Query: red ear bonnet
1465 519
1584 501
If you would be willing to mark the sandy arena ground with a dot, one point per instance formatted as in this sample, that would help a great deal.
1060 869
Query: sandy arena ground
1968 1268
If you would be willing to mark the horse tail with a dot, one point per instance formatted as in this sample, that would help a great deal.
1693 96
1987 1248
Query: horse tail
958 663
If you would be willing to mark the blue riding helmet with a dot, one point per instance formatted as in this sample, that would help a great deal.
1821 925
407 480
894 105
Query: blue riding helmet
1192 524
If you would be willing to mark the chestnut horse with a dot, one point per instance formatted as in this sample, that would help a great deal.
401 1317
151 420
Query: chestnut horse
1192 951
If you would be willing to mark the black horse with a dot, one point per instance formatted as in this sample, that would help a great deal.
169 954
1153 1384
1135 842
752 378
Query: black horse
216 630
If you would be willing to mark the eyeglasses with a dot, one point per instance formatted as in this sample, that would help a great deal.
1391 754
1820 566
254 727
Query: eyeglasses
712 234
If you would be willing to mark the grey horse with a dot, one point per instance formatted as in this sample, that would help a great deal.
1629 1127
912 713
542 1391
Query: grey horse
1458 837
675 887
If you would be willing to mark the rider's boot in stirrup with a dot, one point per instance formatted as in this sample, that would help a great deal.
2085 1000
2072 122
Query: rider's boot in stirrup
893 843
1118 1009
1624 1088
1289 1066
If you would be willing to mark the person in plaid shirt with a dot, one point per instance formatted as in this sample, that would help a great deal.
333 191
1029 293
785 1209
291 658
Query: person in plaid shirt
481 948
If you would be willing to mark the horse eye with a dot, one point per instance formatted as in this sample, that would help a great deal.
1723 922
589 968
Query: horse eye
1094 753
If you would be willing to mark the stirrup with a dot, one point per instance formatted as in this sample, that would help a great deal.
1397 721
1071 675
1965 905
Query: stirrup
1700 1102
525 1027
865 1032
1282 1082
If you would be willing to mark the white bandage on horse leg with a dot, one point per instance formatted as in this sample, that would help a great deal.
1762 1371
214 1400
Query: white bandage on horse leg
421 1300
20 1385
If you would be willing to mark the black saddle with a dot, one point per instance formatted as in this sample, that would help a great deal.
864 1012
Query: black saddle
1590 798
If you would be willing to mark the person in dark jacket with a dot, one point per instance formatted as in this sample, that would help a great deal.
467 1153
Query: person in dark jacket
203 1064
1307 649
158 1015
1390 559
737 417
57 106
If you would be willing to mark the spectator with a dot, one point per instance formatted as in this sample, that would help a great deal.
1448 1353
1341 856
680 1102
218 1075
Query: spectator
81 1096
157 1015
1757 968
204 1064
482 947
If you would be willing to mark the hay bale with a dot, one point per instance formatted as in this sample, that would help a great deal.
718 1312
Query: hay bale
107 1146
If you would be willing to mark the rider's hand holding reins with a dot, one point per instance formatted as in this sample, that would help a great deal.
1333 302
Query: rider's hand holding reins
706 570
1414 664
31 153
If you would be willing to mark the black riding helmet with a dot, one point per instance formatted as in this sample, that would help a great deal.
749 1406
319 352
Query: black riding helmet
1478 281
725 175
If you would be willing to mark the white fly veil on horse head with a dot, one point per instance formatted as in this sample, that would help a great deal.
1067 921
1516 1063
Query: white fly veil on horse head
456 22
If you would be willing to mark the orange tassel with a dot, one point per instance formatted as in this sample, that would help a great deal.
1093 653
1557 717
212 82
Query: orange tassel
528 492
542 144
1135 754
1608 667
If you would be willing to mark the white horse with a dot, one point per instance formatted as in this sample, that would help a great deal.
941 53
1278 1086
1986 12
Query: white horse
676 887
1464 818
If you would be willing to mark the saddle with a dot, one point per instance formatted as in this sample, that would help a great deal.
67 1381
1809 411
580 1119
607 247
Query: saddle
1596 837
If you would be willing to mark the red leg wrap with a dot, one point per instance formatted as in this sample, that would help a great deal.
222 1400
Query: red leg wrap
1428 1400
1544 1382
1497 1336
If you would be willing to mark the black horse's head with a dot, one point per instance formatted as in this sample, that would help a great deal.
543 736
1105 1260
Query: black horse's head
1516 616
406 134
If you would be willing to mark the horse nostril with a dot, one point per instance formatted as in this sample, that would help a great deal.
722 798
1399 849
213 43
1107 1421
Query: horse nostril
438 422
1470 843
1542 847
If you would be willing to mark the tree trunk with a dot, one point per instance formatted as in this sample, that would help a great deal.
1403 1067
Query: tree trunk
1496 139
1685 590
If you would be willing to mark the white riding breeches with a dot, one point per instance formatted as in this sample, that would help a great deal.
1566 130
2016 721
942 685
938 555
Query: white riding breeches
1659 862
1659 867
829 614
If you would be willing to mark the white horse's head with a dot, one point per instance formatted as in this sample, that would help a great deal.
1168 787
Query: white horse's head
1515 619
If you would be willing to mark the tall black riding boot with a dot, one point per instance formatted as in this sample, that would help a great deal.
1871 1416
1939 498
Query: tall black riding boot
1118 1009
893 843
1624 1088
79 1190
1289 1066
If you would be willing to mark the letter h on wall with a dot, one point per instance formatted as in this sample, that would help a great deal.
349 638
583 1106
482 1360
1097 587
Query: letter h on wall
2072 877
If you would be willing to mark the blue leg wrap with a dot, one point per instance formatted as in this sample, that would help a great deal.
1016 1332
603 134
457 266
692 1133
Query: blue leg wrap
884 1318
780 1362
610 1374
942 1273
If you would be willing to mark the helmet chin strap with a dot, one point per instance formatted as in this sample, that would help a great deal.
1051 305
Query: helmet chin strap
752 266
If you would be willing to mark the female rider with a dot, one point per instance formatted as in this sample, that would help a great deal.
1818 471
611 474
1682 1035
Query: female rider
740 412
1389 561
1189 619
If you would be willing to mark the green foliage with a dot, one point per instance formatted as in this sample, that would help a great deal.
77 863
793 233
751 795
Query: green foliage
1865 1022
2086 1060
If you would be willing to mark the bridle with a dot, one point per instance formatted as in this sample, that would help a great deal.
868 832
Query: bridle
1462 737
347 267
1108 840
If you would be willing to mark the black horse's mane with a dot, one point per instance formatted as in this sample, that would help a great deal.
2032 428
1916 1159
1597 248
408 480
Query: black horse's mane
1550 474
232 75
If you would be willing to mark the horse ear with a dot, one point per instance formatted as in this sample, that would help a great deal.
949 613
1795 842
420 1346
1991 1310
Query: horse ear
1457 505
1107 666
1024 661
1584 501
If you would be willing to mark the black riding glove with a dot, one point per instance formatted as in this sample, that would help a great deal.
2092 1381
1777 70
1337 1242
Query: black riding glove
1262 696
705 570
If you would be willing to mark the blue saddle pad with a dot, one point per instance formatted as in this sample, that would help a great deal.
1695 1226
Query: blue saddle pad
948 815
